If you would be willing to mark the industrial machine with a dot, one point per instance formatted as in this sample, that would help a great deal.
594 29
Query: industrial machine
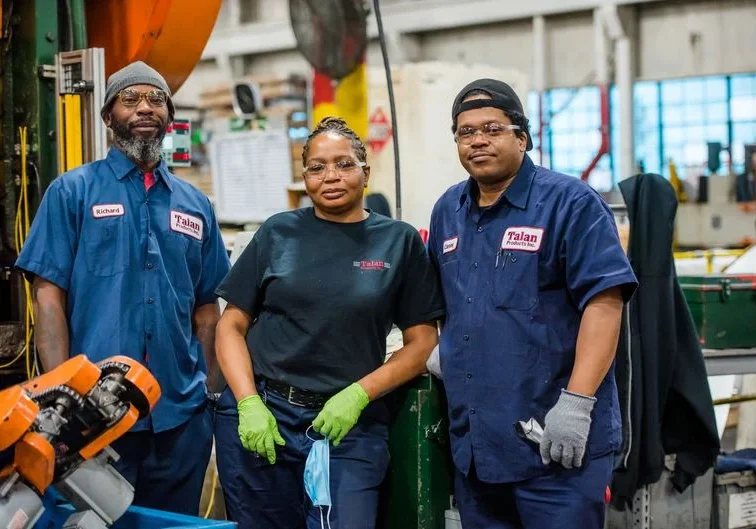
55 430
55 58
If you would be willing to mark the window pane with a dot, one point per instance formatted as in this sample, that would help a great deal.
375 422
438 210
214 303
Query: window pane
672 92
741 85
743 107
716 89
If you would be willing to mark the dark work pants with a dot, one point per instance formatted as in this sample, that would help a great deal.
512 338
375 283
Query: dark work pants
564 499
167 469
263 496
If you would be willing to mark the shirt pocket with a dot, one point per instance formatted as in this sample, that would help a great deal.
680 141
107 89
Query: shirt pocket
515 283
108 248
182 260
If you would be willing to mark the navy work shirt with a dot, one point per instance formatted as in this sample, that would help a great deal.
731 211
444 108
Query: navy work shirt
516 277
135 264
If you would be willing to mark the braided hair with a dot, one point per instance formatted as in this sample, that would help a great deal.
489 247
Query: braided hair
337 126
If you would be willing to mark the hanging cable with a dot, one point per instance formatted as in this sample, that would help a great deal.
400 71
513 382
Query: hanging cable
392 107
21 233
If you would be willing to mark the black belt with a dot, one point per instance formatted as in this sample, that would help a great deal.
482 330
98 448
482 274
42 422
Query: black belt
296 396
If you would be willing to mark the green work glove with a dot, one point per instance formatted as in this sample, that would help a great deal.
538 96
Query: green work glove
258 430
340 413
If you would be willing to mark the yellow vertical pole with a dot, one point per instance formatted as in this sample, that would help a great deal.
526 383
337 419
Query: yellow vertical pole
61 137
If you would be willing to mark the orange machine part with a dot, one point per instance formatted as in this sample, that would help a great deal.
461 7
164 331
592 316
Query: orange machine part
112 434
35 461
17 414
141 378
78 373
169 35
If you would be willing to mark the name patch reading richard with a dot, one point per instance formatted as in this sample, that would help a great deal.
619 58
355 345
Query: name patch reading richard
186 224
101 211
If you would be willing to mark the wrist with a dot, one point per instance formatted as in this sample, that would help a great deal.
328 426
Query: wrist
576 402
362 396
248 402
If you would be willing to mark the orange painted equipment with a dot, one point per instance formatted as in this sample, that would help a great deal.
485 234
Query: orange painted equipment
58 420
169 35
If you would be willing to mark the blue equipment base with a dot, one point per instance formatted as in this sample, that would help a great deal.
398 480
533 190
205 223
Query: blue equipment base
57 512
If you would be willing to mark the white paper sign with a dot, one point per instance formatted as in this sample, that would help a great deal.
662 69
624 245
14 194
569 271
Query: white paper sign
742 510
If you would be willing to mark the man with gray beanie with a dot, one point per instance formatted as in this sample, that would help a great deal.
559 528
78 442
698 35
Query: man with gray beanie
124 259
534 279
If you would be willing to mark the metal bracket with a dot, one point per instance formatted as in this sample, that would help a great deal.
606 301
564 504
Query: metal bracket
642 508
46 71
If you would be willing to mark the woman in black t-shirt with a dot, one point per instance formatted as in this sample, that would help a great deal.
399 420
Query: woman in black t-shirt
302 345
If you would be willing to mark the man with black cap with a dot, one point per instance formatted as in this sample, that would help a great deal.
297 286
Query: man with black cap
124 259
535 279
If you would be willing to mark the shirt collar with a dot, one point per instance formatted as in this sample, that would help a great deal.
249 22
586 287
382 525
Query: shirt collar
517 193
122 166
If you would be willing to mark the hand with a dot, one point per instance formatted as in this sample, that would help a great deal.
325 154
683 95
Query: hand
258 430
340 413
565 433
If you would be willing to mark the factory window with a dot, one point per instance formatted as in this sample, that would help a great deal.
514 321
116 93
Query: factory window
694 112
574 119
743 116
648 153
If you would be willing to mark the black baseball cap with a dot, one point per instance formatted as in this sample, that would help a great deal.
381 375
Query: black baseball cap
502 95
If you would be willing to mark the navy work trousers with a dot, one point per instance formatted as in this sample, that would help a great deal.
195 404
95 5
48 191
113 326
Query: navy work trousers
167 469
263 496
563 499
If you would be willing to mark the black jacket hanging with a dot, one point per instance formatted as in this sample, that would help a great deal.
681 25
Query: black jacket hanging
660 370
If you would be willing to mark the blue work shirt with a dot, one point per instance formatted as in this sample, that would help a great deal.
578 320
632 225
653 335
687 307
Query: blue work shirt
135 265
516 277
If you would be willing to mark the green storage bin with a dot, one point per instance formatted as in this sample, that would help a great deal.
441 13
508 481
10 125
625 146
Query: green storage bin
723 308
418 484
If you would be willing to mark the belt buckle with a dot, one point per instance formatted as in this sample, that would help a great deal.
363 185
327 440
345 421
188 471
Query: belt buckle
290 398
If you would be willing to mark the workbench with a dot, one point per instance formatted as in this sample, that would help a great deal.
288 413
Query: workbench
730 361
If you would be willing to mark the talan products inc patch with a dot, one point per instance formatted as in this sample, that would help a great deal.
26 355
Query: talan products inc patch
525 238
186 224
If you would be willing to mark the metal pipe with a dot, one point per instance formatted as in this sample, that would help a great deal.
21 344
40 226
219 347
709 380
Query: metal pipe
78 15
735 399
539 70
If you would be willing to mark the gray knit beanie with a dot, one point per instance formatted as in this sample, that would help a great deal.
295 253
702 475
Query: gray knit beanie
134 74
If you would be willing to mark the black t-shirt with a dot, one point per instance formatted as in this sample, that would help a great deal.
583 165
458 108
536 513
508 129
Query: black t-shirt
325 295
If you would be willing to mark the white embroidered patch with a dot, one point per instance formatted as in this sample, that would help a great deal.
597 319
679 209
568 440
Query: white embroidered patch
186 224
524 238
101 211
450 244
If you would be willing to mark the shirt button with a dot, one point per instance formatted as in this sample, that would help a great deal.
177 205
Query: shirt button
480 229
149 266
469 375
475 265
466 337
472 411
469 300
150 301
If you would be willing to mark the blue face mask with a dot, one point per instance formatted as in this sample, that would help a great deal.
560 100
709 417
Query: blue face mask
317 476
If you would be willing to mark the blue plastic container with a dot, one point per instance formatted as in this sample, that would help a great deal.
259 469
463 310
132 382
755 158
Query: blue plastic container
56 514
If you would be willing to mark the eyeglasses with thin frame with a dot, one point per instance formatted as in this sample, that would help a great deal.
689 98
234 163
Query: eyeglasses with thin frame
343 168
131 98
465 135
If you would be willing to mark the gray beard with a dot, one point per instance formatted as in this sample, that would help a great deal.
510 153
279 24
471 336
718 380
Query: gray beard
143 151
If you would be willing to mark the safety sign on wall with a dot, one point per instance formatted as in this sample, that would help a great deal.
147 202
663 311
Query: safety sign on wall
380 131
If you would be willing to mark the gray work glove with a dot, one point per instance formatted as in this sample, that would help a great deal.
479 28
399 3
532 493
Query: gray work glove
565 433
433 364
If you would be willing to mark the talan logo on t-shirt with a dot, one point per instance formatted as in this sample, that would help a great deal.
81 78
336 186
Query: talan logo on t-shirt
186 224
371 265
450 244
524 238
101 211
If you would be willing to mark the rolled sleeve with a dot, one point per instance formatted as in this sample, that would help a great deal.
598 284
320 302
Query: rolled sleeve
594 258
215 263
419 299
50 249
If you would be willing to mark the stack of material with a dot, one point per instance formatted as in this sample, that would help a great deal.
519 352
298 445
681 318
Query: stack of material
280 95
